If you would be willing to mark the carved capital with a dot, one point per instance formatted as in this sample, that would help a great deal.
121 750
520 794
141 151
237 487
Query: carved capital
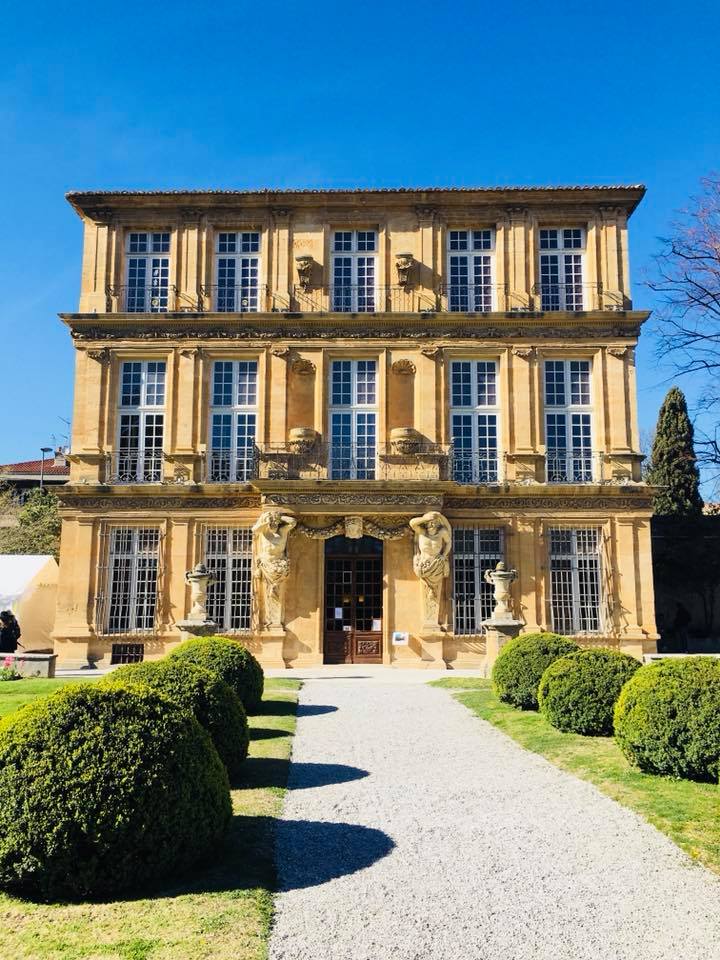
617 351
190 215
101 215
191 352
527 353
102 356
403 367
433 353
426 213
282 352
302 367
516 213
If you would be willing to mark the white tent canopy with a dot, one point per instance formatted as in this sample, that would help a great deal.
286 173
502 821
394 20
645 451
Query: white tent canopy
28 587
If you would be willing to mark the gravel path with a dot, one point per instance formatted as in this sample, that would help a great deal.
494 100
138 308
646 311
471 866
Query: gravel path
414 830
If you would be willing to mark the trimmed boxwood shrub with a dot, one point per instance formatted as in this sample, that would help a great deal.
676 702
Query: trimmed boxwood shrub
521 663
213 702
231 661
667 718
577 693
105 788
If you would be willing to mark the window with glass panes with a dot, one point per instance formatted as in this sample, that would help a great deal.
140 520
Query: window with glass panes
353 419
475 550
561 268
568 421
470 270
132 579
148 272
474 421
354 271
228 555
233 420
141 420
575 585
238 272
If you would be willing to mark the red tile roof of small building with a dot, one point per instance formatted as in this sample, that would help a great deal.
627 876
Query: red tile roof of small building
26 467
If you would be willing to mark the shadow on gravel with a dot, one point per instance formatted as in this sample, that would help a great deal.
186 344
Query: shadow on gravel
269 772
310 853
314 709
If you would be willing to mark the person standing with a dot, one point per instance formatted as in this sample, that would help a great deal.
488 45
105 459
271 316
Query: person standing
9 632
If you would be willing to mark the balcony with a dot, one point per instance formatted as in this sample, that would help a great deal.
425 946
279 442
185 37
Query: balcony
573 466
134 466
320 461
152 298
361 299
574 297
243 298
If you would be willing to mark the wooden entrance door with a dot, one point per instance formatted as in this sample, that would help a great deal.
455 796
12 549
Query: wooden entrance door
353 600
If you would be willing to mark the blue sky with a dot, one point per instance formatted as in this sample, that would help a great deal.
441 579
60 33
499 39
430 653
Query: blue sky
151 95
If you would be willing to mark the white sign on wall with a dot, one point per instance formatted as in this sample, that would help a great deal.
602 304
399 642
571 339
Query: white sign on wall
400 639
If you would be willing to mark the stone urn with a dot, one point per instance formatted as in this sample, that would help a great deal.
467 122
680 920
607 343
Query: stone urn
301 440
404 441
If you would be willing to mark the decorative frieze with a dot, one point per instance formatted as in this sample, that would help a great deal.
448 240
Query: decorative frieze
112 504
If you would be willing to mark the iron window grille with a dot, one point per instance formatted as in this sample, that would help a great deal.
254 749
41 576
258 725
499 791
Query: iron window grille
129 580
148 272
562 253
353 420
122 653
475 550
238 272
470 270
474 421
233 421
139 454
228 555
354 271
568 421
576 596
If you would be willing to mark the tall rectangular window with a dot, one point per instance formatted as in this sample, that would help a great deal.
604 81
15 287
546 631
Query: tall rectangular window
568 421
354 271
238 272
228 554
474 552
233 420
470 270
474 421
139 454
575 589
353 419
562 253
132 579
148 273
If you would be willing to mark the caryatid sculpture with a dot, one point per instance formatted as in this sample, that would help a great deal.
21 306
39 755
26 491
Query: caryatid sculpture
500 579
431 563
272 566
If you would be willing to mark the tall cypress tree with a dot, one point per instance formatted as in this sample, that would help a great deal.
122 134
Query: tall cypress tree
673 465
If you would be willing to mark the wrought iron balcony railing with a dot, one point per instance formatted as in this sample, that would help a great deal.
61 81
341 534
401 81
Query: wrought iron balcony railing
485 467
361 299
554 297
471 298
573 466
134 466
243 298
148 298
321 461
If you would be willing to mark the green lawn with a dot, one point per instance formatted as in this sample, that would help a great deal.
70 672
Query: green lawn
689 813
16 693
222 912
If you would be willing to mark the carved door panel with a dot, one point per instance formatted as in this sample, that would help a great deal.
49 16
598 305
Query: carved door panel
353 609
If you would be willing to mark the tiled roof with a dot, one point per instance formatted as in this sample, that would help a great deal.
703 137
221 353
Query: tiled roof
26 467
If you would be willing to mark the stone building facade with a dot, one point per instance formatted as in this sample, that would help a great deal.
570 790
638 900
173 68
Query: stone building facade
276 383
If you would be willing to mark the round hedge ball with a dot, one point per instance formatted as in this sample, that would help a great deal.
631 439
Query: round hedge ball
667 718
521 663
231 661
213 702
577 693
105 789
